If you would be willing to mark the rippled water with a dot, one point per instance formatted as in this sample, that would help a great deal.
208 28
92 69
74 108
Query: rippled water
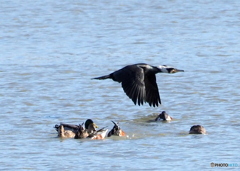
51 50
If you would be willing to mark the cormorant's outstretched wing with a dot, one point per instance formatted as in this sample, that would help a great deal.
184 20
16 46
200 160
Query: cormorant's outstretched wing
152 94
132 79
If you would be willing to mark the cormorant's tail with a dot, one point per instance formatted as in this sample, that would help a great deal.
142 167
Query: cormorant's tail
102 77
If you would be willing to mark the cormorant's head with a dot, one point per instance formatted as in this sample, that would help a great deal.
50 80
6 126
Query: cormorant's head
169 69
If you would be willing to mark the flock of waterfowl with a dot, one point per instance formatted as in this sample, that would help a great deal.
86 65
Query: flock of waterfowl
139 83
87 131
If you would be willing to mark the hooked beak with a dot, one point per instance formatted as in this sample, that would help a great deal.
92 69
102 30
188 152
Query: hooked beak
176 70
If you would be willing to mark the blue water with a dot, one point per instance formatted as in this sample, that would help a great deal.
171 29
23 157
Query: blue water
51 50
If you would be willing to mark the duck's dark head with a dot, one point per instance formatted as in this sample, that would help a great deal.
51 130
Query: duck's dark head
90 124
168 69
197 129
163 116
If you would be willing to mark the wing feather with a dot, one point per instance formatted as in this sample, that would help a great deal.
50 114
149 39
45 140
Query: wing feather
152 94
132 79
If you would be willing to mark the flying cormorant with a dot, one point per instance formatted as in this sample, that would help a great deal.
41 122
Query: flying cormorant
139 81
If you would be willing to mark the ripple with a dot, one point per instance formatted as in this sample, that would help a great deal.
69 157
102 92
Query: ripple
51 50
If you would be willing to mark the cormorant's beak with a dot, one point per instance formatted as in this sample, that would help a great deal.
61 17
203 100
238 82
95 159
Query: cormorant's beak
176 70
179 70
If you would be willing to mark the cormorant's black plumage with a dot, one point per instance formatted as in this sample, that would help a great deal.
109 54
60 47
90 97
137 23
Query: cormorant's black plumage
139 82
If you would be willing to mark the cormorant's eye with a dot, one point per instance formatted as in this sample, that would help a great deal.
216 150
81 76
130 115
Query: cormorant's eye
171 70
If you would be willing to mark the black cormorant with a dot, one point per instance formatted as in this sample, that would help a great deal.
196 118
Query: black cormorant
139 81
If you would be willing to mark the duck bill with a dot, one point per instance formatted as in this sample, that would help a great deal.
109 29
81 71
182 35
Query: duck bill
94 125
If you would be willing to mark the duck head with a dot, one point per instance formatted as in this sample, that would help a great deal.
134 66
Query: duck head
116 130
197 129
163 116
90 126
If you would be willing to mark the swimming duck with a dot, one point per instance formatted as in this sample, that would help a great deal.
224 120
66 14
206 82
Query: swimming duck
69 130
84 133
116 130
66 130
163 117
139 82
197 129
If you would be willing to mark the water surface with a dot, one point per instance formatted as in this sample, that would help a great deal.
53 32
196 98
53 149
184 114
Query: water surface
51 50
